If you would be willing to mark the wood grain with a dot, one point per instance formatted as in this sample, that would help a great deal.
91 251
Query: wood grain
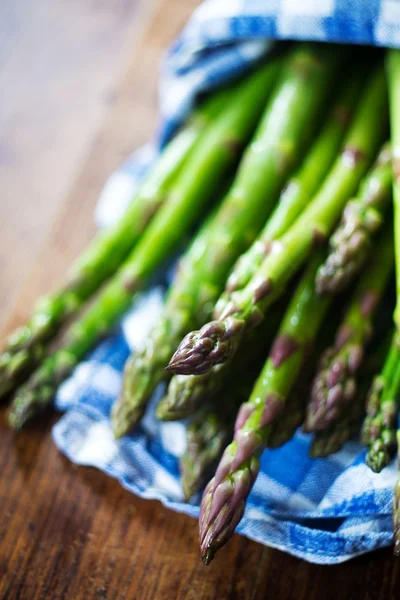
67 531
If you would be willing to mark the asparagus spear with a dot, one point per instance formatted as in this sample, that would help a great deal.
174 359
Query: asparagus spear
217 341
331 439
335 384
206 438
224 498
351 242
393 72
285 427
212 426
305 80
299 190
294 411
186 393
26 346
209 432
379 427
214 155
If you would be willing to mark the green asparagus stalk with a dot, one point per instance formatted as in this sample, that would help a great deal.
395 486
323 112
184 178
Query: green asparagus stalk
186 393
217 341
331 440
224 498
208 434
299 190
363 216
26 346
380 424
212 425
294 106
396 506
393 72
380 384
214 155
335 384
206 437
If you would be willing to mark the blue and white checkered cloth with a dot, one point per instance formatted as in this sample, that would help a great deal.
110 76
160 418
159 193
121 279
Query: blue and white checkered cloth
324 511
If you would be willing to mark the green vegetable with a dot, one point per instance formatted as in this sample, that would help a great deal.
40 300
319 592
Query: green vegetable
380 424
186 393
393 73
363 216
217 341
225 496
299 190
28 345
330 440
283 429
208 434
293 108
214 155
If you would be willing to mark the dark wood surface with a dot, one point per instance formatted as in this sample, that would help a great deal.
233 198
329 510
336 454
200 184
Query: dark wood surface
78 81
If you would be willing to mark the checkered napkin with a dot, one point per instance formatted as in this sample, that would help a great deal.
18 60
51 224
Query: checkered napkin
325 511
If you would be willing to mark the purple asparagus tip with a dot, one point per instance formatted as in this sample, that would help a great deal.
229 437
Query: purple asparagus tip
222 507
200 350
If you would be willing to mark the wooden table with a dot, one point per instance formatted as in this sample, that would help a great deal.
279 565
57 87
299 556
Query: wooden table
78 93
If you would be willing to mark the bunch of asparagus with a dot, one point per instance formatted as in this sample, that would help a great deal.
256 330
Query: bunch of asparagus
272 319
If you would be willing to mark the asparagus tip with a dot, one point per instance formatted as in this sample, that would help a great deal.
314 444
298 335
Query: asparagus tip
396 523
377 458
125 415
164 412
6 387
120 426
396 549
188 490
186 358
207 554
118 431
188 363
13 421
